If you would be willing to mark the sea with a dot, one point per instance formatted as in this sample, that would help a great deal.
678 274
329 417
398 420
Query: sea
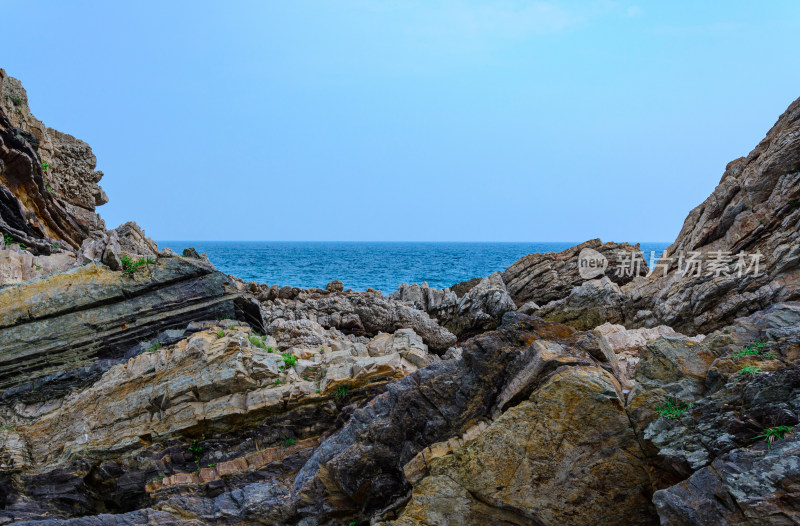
362 265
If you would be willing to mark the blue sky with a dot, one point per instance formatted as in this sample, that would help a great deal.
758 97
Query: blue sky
405 120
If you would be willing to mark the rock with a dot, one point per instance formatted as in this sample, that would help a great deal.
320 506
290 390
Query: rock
112 253
220 379
48 200
528 308
591 304
132 241
461 288
756 485
626 344
566 454
482 308
68 320
360 468
360 314
478 310
335 286
550 276
751 215
17 265
724 409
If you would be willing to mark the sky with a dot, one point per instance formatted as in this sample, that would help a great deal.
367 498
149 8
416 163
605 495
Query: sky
407 120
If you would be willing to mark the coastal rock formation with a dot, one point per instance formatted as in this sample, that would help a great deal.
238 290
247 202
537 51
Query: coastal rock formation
48 181
163 392
627 343
158 406
551 275
479 309
570 441
737 253
69 320
355 313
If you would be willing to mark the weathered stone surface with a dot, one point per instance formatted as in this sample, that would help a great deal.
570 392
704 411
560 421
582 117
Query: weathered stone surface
71 319
498 369
353 313
755 485
567 455
480 309
588 305
47 197
18 265
552 275
215 381
753 210
626 343
728 407
335 286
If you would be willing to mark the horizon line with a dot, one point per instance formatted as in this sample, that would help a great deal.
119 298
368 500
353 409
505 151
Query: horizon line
371 241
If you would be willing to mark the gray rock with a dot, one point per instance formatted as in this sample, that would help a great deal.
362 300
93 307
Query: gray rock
335 286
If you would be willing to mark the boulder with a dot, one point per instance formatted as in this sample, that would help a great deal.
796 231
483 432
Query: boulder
552 275
564 455
479 309
335 286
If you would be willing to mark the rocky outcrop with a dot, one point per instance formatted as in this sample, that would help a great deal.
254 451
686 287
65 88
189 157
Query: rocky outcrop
362 314
220 409
48 182
708 277
569 442
552 275
724 393
479 309
627 343
70 320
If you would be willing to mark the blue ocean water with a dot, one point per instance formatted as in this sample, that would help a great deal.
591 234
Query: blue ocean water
360 265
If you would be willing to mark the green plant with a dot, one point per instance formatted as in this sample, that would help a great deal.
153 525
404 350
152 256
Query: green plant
748 370
318 391
129 266
288 360
8 427
159 477
221 333
45 166
278 382
16 100
342 392
56 246
8 240
38 267
289 442
156 346
258 342
754 349
771 434
270 349
673 408
211 465
47 187
196 450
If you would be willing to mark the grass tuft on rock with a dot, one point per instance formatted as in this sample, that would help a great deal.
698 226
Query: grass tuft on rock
771 434
673 408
